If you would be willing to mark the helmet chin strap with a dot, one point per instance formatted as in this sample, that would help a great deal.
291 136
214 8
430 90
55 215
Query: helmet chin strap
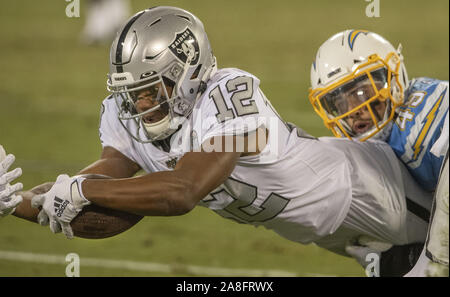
158 130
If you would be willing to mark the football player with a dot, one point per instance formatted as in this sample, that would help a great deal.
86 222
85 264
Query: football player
360 88
208 136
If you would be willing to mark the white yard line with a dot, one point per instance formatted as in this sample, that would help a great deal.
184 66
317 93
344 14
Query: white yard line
145 266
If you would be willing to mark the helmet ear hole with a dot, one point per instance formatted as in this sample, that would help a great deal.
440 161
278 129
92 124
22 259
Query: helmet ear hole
196 72
168 82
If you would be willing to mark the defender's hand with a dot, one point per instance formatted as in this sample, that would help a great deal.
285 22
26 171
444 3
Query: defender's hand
8 199
61 204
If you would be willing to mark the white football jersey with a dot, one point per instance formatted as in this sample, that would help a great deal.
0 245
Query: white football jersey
298 186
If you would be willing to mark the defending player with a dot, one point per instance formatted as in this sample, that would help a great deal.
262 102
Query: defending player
360 88
210 137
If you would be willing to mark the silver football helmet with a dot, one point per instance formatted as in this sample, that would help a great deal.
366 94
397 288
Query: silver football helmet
161 53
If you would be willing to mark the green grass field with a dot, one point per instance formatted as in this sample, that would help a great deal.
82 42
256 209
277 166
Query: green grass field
51 87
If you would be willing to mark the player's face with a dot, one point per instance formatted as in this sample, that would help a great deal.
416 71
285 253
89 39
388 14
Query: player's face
358 103
361 121
150 97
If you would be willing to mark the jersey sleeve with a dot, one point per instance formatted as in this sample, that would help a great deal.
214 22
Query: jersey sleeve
440 147
419 129
111 132
232 105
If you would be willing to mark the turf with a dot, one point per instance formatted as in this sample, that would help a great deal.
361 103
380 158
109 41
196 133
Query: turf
52 85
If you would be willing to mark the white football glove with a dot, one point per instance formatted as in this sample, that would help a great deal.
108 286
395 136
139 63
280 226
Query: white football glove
8 199
365 246
61 204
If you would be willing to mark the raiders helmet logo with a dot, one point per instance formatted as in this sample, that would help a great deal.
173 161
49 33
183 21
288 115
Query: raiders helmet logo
185 45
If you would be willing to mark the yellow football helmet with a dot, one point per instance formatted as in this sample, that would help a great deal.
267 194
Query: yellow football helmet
358 80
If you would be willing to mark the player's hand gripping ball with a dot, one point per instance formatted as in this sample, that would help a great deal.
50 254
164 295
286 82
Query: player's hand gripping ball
93 221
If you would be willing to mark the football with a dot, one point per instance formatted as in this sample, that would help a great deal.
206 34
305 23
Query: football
96 222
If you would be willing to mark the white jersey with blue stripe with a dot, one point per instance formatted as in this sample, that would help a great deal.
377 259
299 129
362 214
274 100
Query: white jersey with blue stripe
418 127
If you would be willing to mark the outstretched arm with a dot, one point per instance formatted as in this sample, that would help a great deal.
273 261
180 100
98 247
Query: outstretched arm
164 193
176 192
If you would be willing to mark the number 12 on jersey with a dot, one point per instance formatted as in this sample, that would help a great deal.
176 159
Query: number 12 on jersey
245 92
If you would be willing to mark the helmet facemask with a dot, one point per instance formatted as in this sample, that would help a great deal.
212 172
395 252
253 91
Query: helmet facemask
362 103
162 109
